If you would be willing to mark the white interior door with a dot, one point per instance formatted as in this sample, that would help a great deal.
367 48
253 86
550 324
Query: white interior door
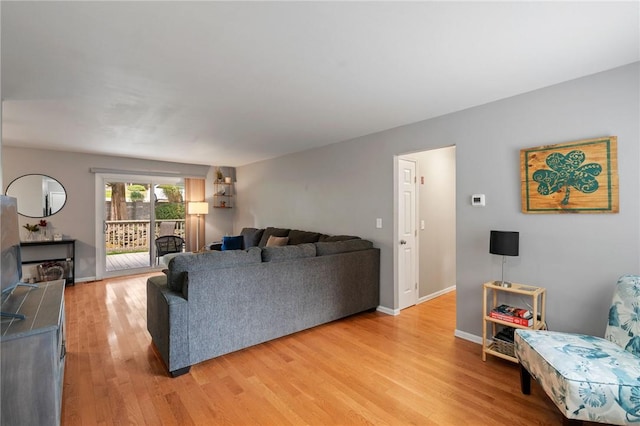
407 277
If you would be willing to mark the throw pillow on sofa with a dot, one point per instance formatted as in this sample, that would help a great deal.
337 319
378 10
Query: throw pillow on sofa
277 241
251 236
269 231
232 243
301 237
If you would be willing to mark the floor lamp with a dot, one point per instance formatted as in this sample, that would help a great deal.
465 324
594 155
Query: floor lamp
505 243
198 208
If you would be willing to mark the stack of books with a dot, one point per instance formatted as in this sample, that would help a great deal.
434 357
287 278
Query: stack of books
512 315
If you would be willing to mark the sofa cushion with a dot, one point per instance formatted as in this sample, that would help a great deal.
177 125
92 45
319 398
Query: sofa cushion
276 232
232 243
333 238
301 237
251 236
277 241
180 264
327 248
282 253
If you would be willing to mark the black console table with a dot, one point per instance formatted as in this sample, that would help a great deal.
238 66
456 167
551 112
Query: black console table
37 255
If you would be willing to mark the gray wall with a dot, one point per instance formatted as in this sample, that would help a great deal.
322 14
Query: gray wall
343 187
437 208
77 218
1 181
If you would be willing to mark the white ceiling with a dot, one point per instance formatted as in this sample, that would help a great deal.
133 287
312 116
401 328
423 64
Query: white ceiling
231 83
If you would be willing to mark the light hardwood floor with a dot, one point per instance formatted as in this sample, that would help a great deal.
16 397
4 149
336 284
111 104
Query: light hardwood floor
367 369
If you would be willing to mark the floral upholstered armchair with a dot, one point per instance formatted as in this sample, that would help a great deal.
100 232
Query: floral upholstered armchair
587 377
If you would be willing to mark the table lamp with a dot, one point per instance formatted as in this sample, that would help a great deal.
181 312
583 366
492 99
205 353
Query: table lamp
504 243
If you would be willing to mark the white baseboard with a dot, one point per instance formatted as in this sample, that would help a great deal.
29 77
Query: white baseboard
436 294
423 299
85 280
468 336
388 311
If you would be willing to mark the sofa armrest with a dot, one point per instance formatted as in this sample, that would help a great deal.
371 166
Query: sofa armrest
168 323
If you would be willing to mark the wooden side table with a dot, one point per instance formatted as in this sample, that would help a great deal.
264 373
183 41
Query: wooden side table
491 290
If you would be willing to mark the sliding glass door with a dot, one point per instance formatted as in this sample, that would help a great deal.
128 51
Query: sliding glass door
135 210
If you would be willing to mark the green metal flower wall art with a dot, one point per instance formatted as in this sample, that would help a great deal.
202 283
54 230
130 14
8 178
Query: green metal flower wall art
566 172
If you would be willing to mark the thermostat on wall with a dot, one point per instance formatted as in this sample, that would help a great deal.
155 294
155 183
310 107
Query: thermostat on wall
477 200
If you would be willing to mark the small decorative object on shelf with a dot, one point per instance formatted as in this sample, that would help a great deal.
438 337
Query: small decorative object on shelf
504 318
223 194
44 231
31 230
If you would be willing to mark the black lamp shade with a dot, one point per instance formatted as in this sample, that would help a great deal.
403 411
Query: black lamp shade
505 243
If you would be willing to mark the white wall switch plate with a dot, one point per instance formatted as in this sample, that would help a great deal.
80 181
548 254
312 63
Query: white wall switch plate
379 223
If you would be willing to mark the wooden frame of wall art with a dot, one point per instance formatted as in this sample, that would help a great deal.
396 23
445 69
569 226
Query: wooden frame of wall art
574 177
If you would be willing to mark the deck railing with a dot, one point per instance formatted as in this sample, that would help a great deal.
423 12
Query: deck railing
122 236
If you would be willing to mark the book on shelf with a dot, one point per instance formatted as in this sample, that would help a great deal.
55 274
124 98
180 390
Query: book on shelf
505 335
512 315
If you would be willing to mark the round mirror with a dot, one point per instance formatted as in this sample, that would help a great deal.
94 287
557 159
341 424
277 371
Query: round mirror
37 195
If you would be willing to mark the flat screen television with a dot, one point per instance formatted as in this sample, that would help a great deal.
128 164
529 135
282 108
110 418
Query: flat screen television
10 262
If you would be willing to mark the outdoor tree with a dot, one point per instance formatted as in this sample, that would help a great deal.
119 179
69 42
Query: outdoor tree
118 209
172 193
174 207
566 173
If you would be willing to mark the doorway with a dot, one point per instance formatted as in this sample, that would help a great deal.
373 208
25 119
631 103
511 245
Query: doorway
132 212
407 234
434 220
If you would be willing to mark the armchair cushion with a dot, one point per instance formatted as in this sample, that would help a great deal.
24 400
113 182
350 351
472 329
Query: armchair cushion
586 377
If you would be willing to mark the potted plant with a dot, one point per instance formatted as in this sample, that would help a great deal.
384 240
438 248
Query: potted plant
31 229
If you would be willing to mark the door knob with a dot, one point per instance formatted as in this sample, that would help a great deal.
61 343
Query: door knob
402 242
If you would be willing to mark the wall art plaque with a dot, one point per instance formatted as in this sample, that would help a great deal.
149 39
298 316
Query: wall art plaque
574 177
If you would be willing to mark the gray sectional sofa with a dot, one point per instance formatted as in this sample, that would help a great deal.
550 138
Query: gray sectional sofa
212 303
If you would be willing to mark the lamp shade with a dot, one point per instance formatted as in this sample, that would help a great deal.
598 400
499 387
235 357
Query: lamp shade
505 243
198 207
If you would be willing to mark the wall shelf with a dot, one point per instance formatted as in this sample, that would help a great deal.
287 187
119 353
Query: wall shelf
222 195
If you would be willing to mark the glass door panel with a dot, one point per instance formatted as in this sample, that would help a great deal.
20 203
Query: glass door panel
128 221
